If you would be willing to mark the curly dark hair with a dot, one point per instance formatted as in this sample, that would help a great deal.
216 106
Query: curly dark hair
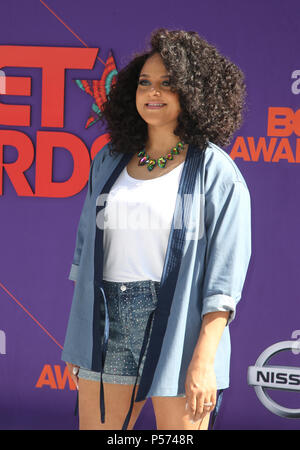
211 93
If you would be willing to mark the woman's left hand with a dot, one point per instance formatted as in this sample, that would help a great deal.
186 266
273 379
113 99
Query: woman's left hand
201 389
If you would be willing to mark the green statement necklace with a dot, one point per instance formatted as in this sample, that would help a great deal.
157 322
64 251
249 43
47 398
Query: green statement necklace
161 162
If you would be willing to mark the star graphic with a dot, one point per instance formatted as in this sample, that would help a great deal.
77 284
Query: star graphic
99 89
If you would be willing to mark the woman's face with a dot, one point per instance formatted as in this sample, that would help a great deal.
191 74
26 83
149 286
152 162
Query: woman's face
155 101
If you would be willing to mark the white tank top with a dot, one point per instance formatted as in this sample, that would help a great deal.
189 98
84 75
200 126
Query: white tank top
138 216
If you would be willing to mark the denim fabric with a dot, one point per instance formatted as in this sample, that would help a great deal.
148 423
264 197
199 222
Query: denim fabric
212 269
216 410
129 307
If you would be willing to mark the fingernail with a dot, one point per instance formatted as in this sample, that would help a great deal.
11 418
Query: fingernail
186 406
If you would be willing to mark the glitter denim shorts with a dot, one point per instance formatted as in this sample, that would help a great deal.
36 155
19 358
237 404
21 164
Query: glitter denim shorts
129 307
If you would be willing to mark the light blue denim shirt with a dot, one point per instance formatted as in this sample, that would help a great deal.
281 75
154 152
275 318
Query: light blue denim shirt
205 266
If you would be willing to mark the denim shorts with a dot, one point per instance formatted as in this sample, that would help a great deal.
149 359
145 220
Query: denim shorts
129 304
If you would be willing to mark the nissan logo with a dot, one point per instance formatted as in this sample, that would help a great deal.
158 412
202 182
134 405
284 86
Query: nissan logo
261 376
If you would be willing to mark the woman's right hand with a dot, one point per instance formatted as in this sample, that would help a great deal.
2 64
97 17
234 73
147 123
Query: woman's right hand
73 376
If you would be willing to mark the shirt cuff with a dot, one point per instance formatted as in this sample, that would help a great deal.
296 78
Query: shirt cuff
219 302
73 272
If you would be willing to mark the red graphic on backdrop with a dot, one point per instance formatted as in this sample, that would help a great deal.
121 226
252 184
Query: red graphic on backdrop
282 123
54 378
46 141
18 115
99 89
53 61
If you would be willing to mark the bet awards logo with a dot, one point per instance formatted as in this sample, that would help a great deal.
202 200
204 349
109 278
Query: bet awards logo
262 376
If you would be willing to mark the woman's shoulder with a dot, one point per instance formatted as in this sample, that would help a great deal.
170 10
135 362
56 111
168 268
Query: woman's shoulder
104 156
220 168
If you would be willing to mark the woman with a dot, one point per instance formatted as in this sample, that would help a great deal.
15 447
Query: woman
152 305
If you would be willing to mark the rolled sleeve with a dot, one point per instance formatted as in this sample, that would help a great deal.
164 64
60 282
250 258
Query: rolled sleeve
228 230
219 302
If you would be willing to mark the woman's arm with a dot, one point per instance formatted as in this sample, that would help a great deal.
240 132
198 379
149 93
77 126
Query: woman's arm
201 386
212 327
228 234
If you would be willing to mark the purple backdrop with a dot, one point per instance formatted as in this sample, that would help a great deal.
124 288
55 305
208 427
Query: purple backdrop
38 234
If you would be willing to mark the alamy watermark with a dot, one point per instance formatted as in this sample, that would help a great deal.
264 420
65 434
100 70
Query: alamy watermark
122 214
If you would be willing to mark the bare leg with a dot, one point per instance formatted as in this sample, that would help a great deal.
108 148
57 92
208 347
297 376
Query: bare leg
171 414
117 402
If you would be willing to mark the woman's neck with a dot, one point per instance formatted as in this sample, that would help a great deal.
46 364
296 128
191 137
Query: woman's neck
160 142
